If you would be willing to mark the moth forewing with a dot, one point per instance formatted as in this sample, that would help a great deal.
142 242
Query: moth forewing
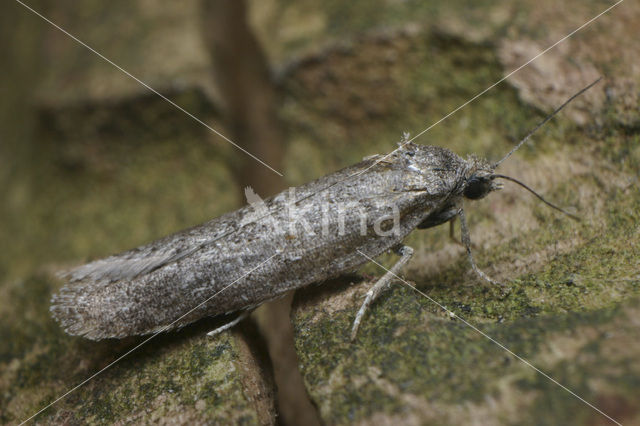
147 288
300 236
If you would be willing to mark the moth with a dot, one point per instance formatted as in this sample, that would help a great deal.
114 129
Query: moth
257 253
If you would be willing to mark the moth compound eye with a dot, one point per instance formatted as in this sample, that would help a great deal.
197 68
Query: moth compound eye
477 187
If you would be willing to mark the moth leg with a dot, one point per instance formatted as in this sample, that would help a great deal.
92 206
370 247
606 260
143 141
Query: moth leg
382 284
230 324
452 234
466 240
452 229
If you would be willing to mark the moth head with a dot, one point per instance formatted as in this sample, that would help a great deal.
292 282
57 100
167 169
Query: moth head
480 181
479 185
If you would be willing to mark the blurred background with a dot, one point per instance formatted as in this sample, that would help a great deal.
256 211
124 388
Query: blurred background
93 163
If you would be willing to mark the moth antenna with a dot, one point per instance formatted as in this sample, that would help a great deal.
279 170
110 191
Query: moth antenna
553 206
547 118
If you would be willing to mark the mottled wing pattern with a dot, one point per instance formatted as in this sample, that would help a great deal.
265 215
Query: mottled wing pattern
147 258
144 259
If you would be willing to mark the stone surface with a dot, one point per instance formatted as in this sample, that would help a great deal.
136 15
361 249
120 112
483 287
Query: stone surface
110 168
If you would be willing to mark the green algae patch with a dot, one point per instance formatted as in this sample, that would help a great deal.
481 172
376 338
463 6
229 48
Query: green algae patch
406 353
193 382
572 287
184 375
